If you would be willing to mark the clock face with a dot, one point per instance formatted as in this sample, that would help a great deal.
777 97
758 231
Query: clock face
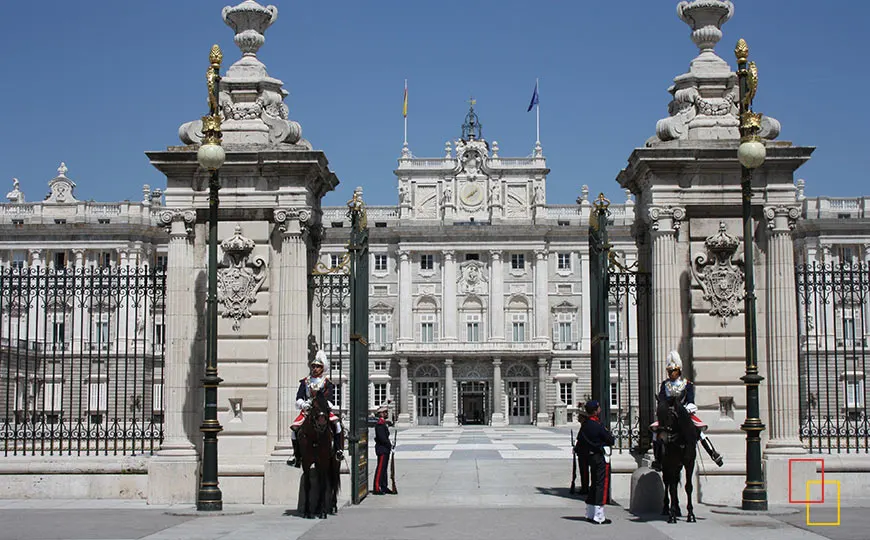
472 194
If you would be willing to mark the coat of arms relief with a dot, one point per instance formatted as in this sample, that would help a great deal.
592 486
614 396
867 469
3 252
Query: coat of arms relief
239 282
719 277
472 278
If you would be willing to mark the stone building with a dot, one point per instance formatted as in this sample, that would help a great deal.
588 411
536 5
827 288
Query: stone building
480 291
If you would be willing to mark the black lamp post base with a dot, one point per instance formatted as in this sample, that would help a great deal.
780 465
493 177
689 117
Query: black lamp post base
754 499
210 506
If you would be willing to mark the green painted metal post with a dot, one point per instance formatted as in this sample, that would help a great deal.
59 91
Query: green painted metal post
599 250
359 351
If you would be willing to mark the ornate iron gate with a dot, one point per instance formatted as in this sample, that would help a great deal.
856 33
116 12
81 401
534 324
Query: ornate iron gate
81 360
833 302
339 325
620 322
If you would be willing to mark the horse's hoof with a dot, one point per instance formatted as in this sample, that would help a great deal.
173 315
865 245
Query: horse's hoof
672 519
307 516
323 516
691 518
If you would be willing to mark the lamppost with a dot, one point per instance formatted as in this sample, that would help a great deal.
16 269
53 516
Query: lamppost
211 157
750 153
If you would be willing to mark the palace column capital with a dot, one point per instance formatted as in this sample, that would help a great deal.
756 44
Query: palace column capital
185 216
666 218
781 218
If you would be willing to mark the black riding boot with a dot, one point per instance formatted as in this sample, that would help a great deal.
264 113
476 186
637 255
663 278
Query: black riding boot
337 446
658 452
714 455
295 461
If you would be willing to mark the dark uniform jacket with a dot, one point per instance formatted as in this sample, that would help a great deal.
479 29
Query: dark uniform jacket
328 390
594 436
382 438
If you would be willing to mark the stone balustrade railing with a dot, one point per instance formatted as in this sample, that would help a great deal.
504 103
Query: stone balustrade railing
78 212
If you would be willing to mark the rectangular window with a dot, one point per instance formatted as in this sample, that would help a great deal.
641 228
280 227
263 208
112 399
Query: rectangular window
565 364
59 259
104 259
566 393
98 396
472 331
472 257
849 329
335 335
380 332
18 222
162 263
427 328
427 262
19 260
519 331
104 221
564 261
334 260
614 332
58 332
563 223
380 262
380 365
160 335
60 222
854 392
518 261
337 395
101 331
614 395
565 332
380 394
53 397
847 254
157 397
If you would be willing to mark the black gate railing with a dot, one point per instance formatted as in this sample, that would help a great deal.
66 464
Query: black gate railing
833 302
330 322
81 360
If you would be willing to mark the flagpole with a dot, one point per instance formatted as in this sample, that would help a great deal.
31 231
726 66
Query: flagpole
538 115
405 111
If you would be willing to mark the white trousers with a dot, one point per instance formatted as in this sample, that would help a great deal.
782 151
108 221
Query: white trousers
595 512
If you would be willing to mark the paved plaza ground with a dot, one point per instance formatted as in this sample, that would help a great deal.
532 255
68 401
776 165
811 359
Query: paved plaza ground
453 483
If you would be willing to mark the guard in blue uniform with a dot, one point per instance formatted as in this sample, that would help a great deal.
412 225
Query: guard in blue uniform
596 441
383 448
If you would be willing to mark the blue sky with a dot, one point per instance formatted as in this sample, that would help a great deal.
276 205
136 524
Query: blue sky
98 83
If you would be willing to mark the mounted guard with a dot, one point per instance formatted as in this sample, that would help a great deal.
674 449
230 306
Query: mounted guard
316 382
680 390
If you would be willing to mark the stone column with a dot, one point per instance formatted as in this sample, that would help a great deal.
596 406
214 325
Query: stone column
542 418
498 418
782 360
449 296
449 419
406 330
35 257
172 473
80 257
585 303
667 321
542 301
292 315
404 419
496 328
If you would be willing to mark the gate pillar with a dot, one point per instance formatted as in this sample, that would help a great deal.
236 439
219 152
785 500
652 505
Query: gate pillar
272 183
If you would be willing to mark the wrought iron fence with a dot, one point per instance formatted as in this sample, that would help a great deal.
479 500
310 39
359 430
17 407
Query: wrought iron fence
833 303
330 322
81 360
629 354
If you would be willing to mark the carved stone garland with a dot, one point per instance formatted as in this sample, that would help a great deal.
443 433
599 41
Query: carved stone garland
239 283
718 276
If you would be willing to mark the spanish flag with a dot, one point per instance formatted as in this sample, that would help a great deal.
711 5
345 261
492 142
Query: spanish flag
405 102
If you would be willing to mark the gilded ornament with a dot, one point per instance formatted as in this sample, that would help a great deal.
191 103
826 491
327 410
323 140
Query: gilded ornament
741 51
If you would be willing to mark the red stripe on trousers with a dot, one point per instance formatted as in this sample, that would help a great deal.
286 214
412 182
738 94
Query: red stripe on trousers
606 482
381 461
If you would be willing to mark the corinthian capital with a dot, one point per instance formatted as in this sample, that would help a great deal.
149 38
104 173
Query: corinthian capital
782 218
666 218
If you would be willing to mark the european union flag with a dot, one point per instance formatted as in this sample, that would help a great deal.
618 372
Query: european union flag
534 98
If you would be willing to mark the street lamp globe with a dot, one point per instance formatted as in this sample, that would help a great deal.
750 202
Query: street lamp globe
211 156
751 153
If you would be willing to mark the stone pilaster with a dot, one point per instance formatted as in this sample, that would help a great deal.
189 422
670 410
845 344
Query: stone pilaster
173 472
498 418
404 419
782 355
449 295
406 331
583 318
449 419
80 257
292 316
542 301
542 417
35 257
668 319
496 329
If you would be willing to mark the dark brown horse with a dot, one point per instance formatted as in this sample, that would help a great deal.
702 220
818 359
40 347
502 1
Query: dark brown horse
681 439
315 443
